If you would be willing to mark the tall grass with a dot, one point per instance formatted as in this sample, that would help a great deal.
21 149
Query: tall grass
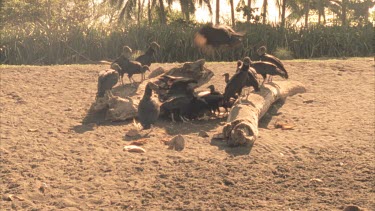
66 45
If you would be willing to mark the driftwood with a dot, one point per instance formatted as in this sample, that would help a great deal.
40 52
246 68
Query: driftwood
124 106
242 122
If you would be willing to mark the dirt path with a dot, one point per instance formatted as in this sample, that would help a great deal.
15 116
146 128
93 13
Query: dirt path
50 160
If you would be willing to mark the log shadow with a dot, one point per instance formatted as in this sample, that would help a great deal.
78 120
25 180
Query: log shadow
98 117
190 127
234 151
272 111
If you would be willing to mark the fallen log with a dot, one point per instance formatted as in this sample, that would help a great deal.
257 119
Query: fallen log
124 104
242 122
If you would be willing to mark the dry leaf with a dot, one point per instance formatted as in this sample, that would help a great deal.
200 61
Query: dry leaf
287 127
132 148
284 125
316 180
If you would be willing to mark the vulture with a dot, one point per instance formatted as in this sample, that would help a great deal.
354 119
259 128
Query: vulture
186 106
107 79
226 77
177 86
148 109
238 81
148 57
120 63
217 36
196 108
130 68
267 68
134 67
214 99
239 64
270 58
177 105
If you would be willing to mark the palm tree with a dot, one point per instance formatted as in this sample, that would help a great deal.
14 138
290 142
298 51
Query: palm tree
246 9
282 6
339 7
299 9
264 11
127 8
188 6
232 12
217 12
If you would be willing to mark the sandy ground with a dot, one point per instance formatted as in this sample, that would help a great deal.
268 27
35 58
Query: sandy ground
51 160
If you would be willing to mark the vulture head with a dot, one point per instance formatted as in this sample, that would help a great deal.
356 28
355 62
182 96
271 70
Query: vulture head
126 51
261 50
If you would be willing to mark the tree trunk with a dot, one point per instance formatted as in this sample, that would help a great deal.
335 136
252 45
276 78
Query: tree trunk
242 122
232 13
249 16
343 13
217 13
149 15
283 10
307 10
124 104
163 18
264 11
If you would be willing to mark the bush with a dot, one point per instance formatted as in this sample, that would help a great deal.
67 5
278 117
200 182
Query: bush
283 53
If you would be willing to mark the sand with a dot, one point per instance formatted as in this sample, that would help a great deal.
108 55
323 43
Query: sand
51 160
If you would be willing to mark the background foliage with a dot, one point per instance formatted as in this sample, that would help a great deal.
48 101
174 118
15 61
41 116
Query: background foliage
85 31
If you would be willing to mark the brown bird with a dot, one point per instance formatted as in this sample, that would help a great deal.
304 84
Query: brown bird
210 36
149 56
267 68
270 58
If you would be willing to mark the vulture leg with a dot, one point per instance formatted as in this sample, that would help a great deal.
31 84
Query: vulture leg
172 117
184 119
264 80
122 80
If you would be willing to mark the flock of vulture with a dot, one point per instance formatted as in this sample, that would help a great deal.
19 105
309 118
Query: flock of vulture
181 101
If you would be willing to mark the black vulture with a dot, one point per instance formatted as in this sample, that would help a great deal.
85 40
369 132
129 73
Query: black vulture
270 58
148 57
238 81
131 68
252 80
267 68
177 86
217 36
120 63
148 109
177 105
227 104
226 77
186 106
213 99
196 108
134 67
106 80
239 64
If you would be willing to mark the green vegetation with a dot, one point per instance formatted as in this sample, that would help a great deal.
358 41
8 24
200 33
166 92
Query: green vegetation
51 32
